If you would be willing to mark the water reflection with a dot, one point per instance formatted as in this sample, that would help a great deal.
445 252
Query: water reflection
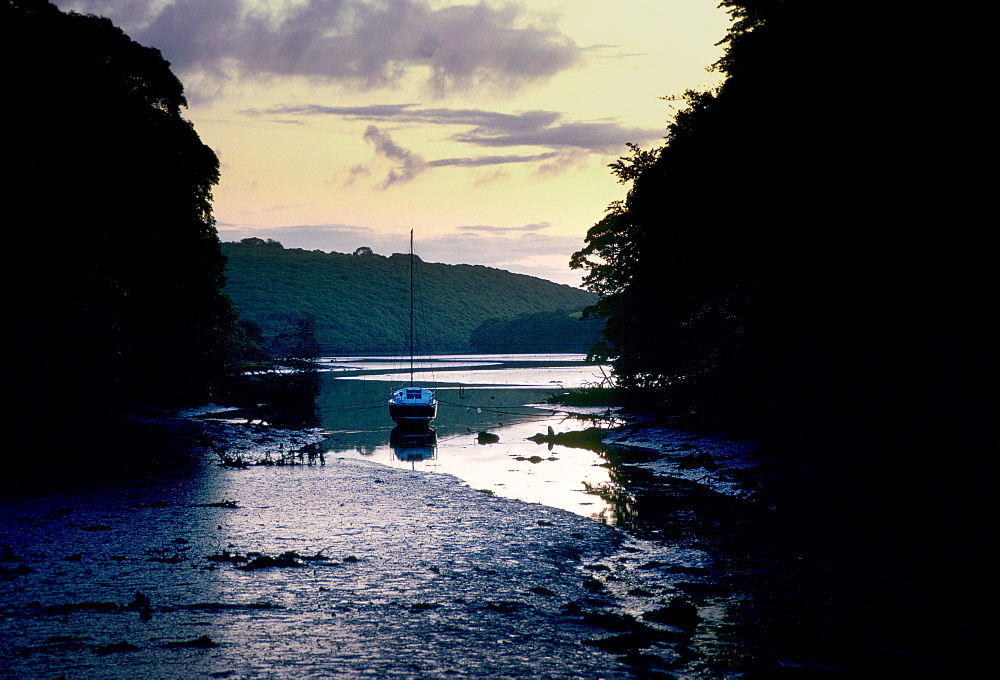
490 407
411 447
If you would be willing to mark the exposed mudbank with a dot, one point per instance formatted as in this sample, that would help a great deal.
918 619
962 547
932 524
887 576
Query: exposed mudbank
328 568
261 556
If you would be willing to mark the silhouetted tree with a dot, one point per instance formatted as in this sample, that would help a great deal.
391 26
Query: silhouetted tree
112 192
806 257
296 344
784 255
801 259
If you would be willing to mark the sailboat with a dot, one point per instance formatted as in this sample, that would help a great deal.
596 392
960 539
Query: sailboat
412 407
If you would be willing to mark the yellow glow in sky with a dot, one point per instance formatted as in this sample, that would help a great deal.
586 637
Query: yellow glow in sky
486 127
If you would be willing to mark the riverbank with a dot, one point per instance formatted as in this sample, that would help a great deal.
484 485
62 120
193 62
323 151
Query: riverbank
254 554
326 568
859 574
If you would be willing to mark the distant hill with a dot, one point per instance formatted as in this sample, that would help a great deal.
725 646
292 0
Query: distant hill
360 302
537 332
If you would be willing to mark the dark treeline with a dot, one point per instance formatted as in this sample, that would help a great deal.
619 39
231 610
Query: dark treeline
555 331
360 302
118 302
811 239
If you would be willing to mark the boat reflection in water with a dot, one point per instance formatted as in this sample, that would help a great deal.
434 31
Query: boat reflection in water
411 446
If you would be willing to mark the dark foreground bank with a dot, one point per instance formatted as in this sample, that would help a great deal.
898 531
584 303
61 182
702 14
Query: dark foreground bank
310 566
326 569
856 576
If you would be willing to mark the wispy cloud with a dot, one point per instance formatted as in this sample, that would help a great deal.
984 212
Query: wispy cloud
570 144
480 161
491 129
407 164
361 44
505 230
481 120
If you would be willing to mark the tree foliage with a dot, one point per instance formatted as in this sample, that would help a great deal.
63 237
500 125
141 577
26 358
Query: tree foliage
539 332
113 191
810 252
806 258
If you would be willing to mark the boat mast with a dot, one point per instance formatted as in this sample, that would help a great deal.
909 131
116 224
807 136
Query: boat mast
411 306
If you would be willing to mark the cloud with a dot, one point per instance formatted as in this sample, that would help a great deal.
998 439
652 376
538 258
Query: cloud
408 164
361 44
506 230
494 129
528 252
481 121
480 161
563 161
606 137
571 143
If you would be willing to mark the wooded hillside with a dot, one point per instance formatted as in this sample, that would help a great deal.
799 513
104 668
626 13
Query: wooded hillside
360 302
538 332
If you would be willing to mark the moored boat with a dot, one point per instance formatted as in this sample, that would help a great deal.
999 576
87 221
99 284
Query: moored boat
412 408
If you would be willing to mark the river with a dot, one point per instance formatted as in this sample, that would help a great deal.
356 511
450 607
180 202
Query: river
502 396
643 556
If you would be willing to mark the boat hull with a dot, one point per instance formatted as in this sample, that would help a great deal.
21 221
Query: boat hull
413 417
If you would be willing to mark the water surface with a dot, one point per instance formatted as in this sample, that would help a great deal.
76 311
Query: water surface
500 395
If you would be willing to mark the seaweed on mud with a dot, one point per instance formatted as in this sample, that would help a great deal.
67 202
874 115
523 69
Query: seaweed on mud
8 555
228 461
621 644
164 556
226 606
116 648
90 607
679 613
505 607
228 557
55 644
285 560
640 592
618 623
288 559
320 557
58 513
221 504
11 574
203 642
308 454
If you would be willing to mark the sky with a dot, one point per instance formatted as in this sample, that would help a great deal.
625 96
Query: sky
486 127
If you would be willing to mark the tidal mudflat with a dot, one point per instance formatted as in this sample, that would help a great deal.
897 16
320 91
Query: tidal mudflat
342 568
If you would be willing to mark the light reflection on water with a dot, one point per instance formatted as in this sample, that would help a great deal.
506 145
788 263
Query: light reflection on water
502 395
